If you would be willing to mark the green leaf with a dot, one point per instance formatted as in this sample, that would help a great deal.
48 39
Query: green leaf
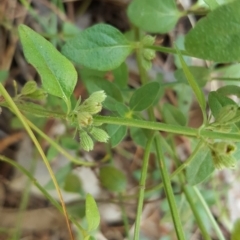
92 213
230 90
109 88
52 153
38 94
58 75
217 101
69 30
96 80
89 238
72 183
214 38
101 47
69 143
231 71
121 75
140 136
236 230
110 103
123 110
200 167
184 96
144 96
154 16
76 210
112 179
180 44
193 84
236 154
212 4
116 133
29 87
200 74
173 115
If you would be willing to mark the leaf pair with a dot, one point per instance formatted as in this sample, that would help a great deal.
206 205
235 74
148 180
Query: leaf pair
100 47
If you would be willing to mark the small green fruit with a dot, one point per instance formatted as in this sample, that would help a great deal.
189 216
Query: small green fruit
224 148
98 96
148 40
39 94
86 143
226 113
222 155
149 54
90 107
84 119
29 87
224 161
99 134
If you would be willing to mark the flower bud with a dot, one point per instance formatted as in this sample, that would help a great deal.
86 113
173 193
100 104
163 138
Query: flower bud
90 107
29 87
222 155
98 96
84 119
146 64
148 40
99 134
224 161
38 94
86 143
236 118
224 128
149 54
226 113
224 148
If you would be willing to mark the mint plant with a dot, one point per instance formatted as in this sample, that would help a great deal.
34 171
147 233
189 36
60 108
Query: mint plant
102 48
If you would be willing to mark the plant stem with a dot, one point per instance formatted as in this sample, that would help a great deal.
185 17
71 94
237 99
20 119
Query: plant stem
163 170
168 50
187 190
23 204
41 189
36 109
58 147
210 216
168 190
181 130
225 79
181 167
36 143
187 131
199 220
124 216
142 187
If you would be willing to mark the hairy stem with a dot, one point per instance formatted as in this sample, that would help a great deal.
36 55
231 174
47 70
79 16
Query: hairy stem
36 143
210 216
142 187
168 190
186 131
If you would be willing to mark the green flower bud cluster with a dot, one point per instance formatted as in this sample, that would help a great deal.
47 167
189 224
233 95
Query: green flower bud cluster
225 119
31 91
148 40
83 115
147 54
86 141
222 154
